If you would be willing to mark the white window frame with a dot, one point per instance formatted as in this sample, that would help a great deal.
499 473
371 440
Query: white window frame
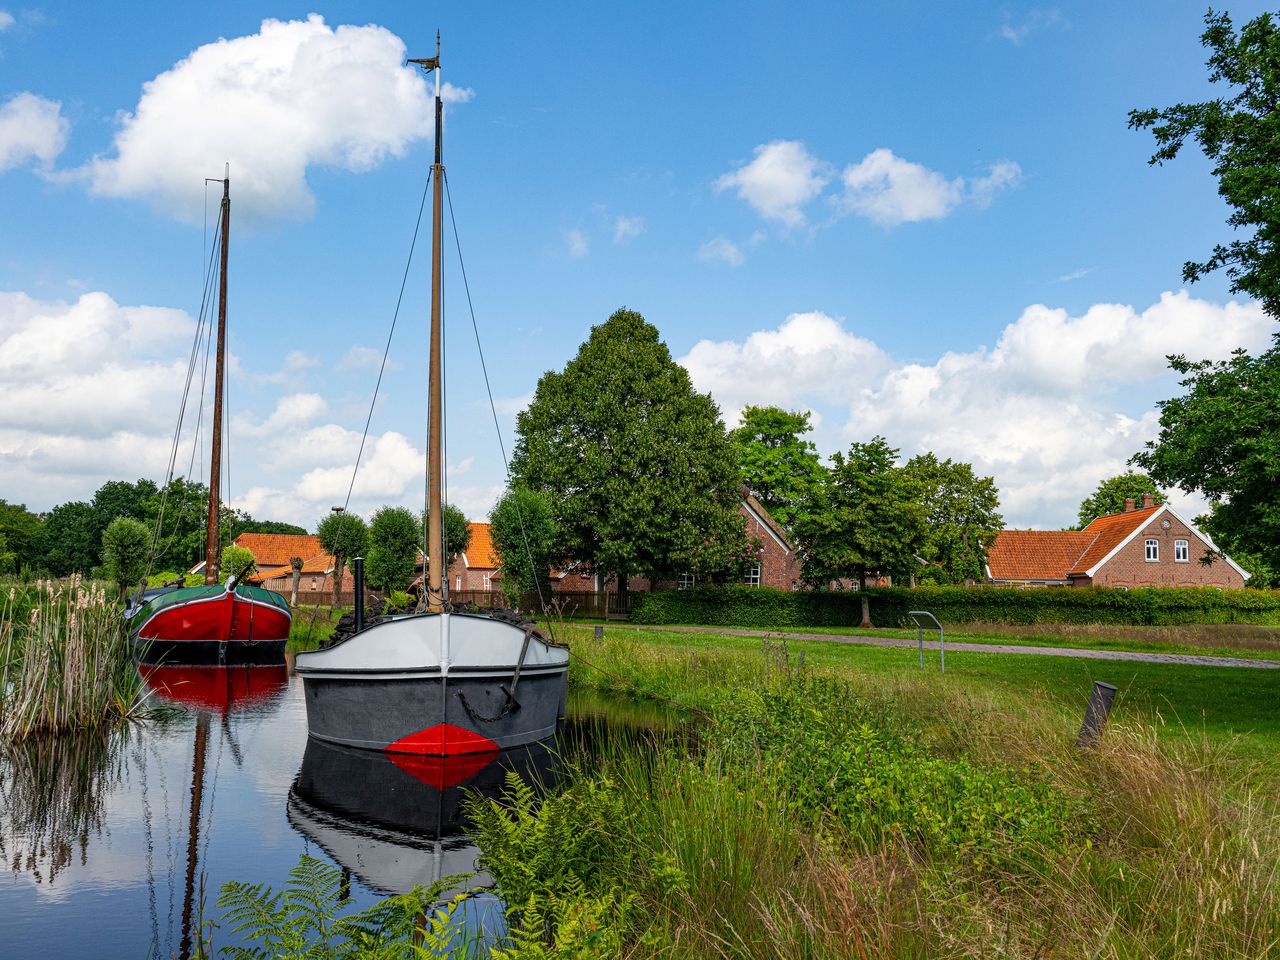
488 581
457 582
752 576
686 581
1152 548
1181 551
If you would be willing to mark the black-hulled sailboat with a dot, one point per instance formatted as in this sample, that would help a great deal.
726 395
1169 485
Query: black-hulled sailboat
216 624
437 683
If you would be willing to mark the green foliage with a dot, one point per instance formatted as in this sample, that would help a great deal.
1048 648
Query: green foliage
8 559
866 519
830 756
962 516
457 532
344 535
126 547
235 561
24 536
778 466
771 609
640 475
303 921
1222 439
168 576
73 539
524 534
1238 134
395 539
1111 494
241 522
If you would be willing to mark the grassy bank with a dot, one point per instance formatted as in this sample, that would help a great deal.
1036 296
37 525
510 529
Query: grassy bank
841 810
66 662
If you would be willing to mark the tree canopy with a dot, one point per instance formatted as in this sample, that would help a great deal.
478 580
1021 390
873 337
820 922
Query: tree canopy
635 463
345 536
457 532
778 466
1222 439
395 540
1237 132
1111 494
868 518
962 515
126 547
24 536
524 534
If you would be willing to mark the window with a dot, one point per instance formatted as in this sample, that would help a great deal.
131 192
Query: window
752 579
685 581
457 582
1153 549
1181 551
487 578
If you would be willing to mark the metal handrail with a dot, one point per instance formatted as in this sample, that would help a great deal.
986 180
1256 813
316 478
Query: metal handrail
916 616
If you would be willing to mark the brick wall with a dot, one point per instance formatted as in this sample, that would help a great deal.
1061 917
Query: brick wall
1130 568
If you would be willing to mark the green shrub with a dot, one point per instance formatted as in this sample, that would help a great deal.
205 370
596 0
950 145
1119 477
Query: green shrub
771 609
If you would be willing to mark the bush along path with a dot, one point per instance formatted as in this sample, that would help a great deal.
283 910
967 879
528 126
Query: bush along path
1088 654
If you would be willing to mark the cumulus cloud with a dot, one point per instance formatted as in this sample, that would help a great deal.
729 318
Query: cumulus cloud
1015 31
294 95
6 20
779 181
1003 175
1059 403
390 467
627 228
31 129
291 412
722 249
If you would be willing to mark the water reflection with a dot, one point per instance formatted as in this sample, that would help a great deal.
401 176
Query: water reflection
397 821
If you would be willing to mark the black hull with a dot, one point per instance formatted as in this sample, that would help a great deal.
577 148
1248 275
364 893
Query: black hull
377 714
210 653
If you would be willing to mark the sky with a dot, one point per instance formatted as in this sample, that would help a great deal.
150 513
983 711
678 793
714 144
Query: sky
924 221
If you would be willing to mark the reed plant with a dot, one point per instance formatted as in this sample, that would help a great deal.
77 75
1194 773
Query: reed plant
66 661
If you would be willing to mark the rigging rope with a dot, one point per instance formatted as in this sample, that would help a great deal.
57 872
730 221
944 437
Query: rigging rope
493 410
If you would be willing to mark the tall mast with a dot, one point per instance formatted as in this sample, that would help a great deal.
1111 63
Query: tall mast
211 558
435 546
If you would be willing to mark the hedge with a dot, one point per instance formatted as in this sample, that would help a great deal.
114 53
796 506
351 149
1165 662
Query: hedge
763 607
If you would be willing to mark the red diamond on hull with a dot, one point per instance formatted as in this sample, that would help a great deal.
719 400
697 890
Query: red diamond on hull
443 740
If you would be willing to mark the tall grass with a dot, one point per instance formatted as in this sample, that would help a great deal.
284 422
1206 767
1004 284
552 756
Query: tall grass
829 814
66 661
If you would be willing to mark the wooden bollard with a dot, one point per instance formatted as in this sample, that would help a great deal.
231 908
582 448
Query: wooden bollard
1096 713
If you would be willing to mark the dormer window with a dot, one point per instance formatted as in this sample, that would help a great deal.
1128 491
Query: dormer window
1153 551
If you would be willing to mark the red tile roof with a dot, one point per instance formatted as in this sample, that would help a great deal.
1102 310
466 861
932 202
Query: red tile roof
481 553
1036 554
1107 533
273 551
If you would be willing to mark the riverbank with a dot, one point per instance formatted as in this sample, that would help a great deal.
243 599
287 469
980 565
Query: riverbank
851 807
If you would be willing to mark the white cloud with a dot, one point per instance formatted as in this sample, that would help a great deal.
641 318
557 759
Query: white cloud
291 412
627 228
723 249
1033 22
576 240
1074 275
889 190
294 95
1003 175
390 468
1042 412
360 357
6 20
31 128
781 179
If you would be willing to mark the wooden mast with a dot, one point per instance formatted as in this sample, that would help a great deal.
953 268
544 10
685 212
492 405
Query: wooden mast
211 553
435 547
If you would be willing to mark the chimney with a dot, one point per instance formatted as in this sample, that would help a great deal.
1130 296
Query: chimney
1129 505
1148 501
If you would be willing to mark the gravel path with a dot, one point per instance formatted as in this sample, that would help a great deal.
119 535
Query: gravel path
1182 658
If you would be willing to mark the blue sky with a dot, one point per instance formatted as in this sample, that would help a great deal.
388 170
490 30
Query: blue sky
925 221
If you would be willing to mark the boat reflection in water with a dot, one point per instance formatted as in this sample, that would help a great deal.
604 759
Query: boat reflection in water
208 691
396 821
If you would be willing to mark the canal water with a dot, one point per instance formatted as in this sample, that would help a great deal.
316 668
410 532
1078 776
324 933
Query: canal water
117 847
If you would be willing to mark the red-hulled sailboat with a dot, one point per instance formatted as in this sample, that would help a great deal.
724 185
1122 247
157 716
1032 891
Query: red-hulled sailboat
216 624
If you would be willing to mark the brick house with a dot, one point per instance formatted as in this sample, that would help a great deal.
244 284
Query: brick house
477 567
1147 546
272 553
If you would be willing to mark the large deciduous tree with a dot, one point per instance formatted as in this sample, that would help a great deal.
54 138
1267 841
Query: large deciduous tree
345 536
962 513
1111 494
1222 439
524 534
25 535
778 466
73 540
640 475
867 519
457 532
1237 132
395 539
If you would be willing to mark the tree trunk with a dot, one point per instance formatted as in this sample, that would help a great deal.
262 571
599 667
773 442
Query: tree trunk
866 623
338 564
296 564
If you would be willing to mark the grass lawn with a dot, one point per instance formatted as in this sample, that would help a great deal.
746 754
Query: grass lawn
1235 706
